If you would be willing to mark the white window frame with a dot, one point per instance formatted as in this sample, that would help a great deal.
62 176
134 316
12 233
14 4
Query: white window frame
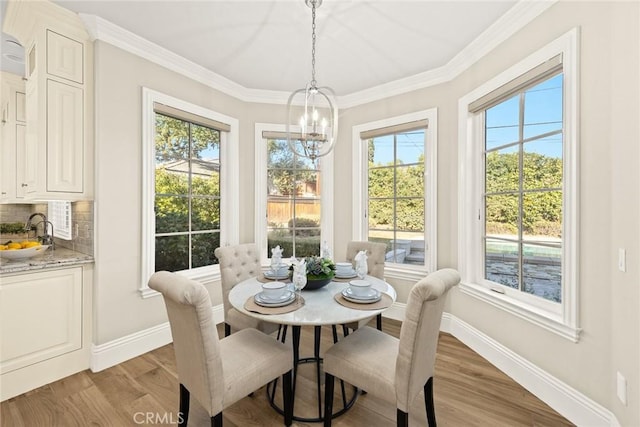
360 225
326 199
229 185
561 318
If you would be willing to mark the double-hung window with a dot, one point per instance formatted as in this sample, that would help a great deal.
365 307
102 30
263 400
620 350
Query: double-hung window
184 187
396 184
517 205
291 191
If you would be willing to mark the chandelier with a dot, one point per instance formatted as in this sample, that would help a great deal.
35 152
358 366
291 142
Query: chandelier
312 116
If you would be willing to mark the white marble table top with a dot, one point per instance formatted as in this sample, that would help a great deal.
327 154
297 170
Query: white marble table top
320 307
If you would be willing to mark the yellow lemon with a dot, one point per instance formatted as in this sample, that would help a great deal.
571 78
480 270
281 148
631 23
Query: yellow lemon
14 245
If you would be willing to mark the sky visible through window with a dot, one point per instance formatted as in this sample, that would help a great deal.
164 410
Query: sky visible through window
542 114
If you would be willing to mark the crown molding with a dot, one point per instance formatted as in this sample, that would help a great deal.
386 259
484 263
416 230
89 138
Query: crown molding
517 17
103 30
508 24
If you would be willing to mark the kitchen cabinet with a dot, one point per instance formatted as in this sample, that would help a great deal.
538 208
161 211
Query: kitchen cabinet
46 327
58 153
13 138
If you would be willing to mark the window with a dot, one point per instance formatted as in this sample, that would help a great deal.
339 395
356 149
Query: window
290 191
188 183
187 193
396 180
518 189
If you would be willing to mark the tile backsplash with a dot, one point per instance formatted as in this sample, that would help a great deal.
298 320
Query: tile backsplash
81 217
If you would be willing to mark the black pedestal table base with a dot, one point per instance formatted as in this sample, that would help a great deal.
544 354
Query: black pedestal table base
271 387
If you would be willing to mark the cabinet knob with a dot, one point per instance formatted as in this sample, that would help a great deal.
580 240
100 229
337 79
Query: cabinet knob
24 185
4 192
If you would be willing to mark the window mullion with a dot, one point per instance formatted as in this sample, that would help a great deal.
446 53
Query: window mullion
521 193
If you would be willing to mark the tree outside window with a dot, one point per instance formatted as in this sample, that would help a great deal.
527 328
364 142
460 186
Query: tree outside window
187 194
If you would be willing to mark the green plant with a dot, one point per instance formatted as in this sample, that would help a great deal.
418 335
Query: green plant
319 268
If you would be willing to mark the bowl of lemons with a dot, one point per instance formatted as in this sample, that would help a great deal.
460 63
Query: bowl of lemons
22 250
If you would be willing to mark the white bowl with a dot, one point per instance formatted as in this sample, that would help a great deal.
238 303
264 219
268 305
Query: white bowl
23 253
360 287
273 290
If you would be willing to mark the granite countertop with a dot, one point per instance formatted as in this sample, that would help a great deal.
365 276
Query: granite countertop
60 257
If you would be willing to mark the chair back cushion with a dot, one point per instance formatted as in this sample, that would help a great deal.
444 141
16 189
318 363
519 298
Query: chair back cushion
419 334
237 263
375 256
195 337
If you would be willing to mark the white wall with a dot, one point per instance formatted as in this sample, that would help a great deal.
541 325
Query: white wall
610 200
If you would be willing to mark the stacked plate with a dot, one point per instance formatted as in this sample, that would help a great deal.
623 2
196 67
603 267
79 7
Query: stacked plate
286 298
348 275
370 296
282 274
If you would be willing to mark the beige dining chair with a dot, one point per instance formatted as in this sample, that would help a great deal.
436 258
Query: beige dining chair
375 266
393 369
238 263
218 372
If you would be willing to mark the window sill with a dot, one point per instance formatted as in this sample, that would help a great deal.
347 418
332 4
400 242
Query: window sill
203 274
548 321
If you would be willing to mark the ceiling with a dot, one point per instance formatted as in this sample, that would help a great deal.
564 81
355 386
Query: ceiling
266 44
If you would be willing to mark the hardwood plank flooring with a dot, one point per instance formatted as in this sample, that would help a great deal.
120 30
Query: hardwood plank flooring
468 391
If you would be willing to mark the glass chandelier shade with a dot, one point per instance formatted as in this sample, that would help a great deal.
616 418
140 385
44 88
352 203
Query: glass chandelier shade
312 115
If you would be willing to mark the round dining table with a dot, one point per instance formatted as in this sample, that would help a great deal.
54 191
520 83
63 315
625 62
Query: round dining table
320 308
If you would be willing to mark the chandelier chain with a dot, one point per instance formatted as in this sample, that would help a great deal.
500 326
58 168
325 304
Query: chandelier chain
313 44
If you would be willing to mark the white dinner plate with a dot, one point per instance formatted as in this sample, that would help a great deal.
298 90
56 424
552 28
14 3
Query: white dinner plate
287 298
372 295
271 275
348 276
348 297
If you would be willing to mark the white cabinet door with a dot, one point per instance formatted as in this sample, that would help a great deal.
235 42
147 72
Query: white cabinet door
41 317
21 131
64 57
29 160
20 107
65 138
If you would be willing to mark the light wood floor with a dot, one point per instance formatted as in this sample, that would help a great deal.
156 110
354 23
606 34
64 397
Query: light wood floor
468 391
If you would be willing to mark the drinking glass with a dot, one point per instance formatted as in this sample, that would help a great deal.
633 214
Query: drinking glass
299 282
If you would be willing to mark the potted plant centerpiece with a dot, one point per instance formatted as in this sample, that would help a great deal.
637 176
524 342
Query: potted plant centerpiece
320 271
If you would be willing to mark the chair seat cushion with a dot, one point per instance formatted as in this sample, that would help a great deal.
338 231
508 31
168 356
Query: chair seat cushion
366 359
251 359
239 321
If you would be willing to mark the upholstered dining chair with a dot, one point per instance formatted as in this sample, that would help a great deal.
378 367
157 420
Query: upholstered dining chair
218 372
238 263
391 368
375 265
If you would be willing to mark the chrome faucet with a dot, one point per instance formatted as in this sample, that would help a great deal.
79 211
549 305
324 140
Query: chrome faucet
46 238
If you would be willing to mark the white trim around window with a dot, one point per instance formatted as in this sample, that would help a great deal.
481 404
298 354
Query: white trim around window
360 189
561 318
229 186
326 204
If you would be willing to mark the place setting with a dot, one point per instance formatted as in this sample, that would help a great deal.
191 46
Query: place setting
278 297
361 295
278 270
344 272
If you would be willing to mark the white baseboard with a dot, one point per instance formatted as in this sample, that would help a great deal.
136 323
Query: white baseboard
106 355
569 402
109 354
